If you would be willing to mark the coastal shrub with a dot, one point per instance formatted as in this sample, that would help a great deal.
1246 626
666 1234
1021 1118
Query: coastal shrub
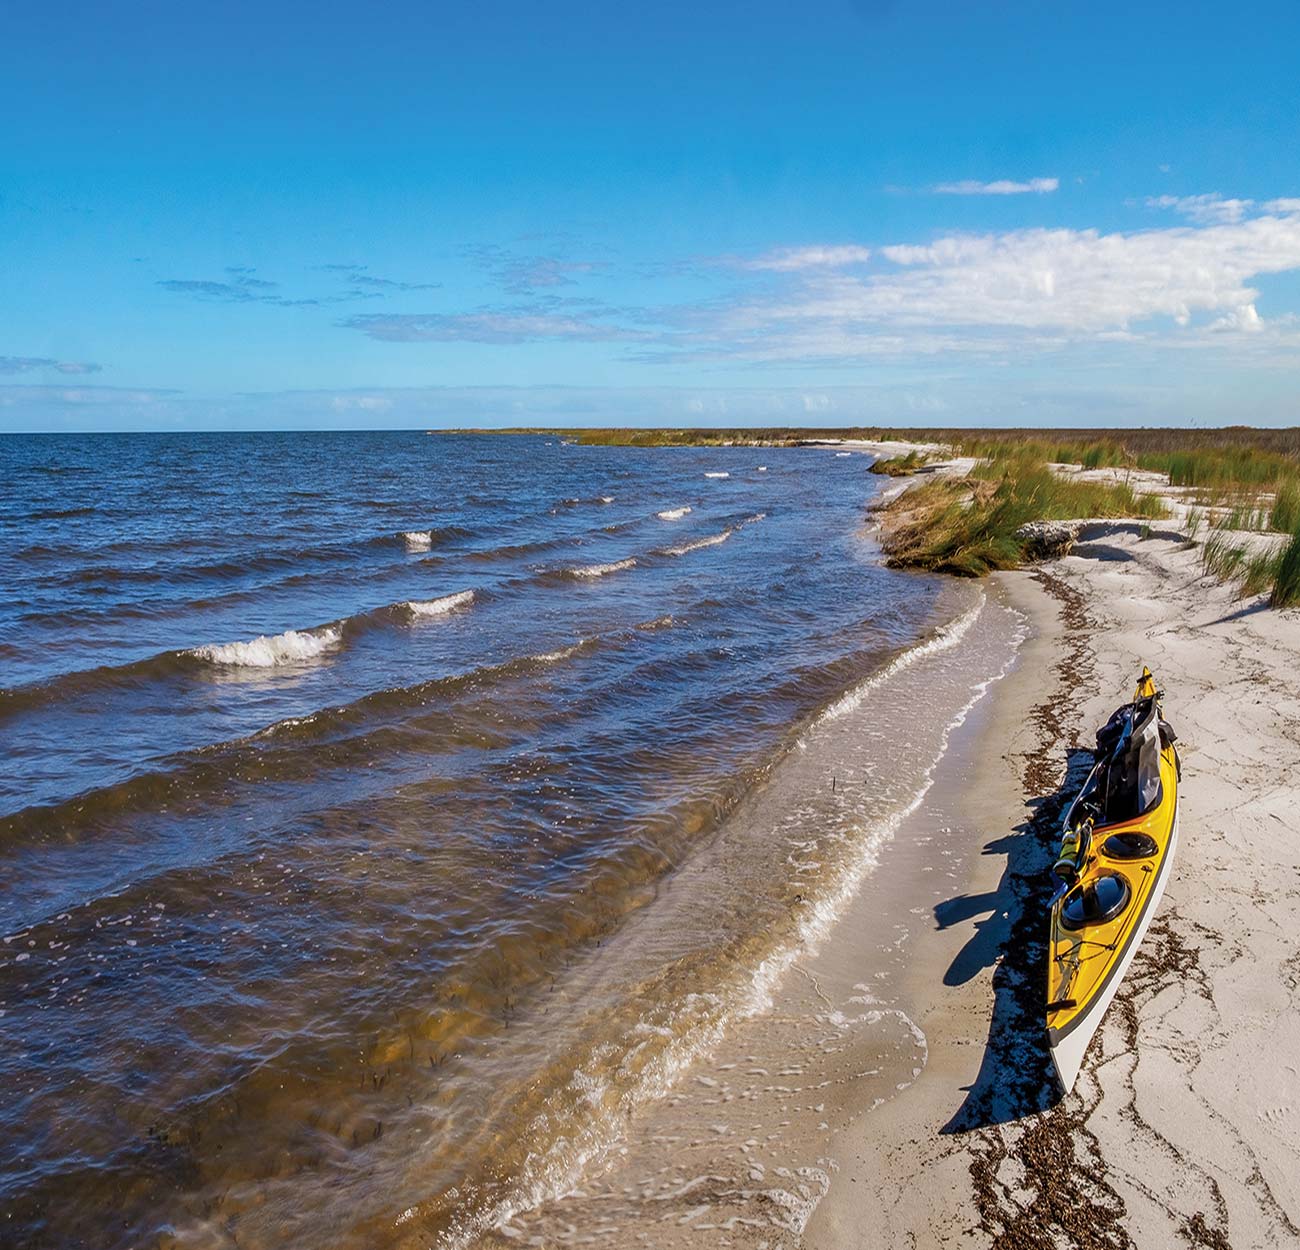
1286 575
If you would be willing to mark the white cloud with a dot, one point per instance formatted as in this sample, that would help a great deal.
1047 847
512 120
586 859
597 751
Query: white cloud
1001 296
1205 210
1243 318
792 259
1003 186
1026 289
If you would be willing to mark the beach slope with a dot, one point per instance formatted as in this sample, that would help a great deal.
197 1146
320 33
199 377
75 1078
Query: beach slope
1182 1128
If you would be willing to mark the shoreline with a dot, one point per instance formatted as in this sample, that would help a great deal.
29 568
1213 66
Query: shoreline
734 1144
909 1042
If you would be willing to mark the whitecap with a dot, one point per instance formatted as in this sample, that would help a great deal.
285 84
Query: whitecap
599 570
672 514
417 540
717 475
438 607
270 651
685 548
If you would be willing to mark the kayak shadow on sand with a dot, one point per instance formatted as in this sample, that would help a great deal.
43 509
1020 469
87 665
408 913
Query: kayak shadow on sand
1015 1077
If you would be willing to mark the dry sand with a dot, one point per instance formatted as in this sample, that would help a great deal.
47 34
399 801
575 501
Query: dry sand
1184 1127
897 1092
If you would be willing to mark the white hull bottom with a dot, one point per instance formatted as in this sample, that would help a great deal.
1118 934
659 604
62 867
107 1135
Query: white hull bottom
1068 1053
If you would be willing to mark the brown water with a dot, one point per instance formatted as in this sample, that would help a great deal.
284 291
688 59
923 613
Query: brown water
346 774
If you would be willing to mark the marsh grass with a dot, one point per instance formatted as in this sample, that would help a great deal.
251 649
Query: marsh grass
1286 574
968 526
901 466
1221 557
1285 514
1276 571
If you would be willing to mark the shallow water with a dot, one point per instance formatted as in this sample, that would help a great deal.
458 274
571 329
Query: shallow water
336 761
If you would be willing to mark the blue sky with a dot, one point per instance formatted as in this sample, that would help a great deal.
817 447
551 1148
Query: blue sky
278 215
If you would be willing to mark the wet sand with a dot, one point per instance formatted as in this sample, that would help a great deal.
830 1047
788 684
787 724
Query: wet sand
896 1092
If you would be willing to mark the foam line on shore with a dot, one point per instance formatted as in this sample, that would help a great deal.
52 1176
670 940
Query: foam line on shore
711 1015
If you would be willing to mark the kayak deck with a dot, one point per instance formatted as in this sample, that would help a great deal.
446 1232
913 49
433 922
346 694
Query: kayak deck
1098 924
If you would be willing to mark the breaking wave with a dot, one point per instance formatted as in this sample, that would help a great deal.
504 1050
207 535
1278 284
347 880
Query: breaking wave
272 651
600 570
672 514
437 607
717 475
424 540
712 541
948 636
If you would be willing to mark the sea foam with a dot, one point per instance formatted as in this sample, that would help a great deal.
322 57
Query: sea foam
270 651
672 514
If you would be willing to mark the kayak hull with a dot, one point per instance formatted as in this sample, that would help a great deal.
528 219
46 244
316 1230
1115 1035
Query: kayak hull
1068 1046
1118 871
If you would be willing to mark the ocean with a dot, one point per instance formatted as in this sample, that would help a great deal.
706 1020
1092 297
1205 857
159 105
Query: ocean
384 819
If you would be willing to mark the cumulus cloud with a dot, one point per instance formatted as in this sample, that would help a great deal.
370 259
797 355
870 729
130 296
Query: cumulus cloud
1243 318
1077 280
30 364
792 259
997 294
1003 186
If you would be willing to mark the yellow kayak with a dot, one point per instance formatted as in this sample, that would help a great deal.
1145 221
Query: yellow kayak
1119 840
